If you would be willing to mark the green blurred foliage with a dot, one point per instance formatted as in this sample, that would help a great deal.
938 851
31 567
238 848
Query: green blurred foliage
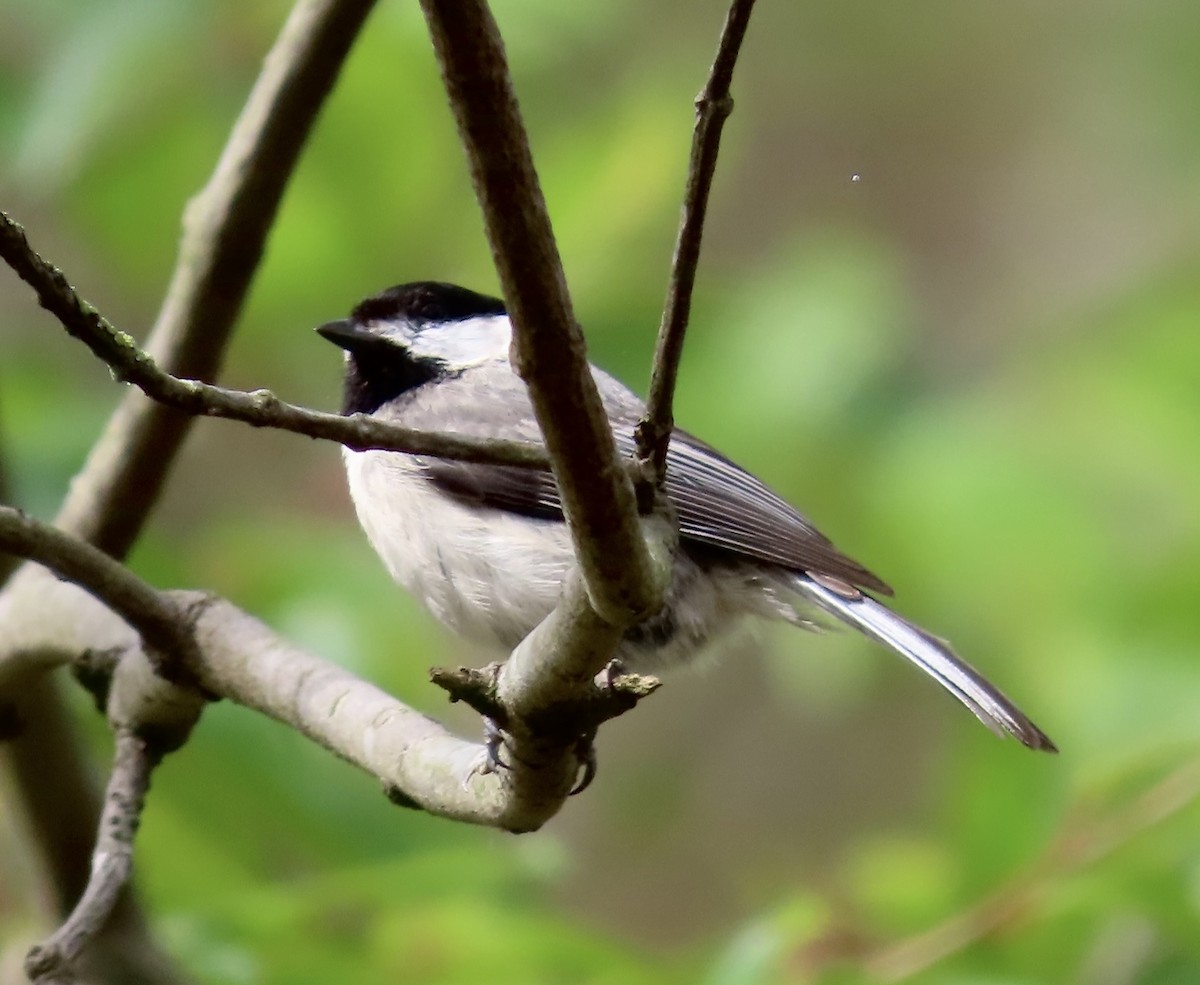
976 367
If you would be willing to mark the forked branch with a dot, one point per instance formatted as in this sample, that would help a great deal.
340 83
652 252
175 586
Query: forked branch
229 654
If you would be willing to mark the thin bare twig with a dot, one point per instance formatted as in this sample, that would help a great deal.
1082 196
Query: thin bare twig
1078 845
713 106
112 860
261 408
624 581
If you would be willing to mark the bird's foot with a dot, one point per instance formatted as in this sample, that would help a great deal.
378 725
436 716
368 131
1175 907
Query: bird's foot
585 749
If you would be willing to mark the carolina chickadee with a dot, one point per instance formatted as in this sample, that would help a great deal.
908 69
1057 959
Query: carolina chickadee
485 548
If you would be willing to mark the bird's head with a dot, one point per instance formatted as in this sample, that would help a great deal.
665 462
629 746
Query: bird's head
412 334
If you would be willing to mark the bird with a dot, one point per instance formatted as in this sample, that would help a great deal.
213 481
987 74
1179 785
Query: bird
485 547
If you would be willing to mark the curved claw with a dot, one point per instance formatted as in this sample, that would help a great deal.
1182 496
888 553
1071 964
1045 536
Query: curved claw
493 742
585 752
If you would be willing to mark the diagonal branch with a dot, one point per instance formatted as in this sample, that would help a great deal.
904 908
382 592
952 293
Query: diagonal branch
261 408
155 617
713 106
225 229
624 581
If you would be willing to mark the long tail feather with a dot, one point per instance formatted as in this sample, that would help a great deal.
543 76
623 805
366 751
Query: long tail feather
933 656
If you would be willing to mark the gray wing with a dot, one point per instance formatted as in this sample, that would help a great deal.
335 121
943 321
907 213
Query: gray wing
719 506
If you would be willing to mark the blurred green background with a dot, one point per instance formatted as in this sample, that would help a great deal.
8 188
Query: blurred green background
977 366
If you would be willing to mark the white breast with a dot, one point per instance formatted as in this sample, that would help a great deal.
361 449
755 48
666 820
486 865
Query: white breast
487 575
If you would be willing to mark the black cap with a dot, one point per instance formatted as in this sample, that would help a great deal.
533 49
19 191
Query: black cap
425 301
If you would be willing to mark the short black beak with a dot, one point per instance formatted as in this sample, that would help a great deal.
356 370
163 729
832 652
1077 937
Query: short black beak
346 334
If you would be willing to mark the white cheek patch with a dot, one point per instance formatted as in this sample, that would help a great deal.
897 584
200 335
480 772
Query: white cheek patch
459 343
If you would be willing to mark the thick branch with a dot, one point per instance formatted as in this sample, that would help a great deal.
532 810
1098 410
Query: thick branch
230 654
260 408
623 581
112 861
713 106
225 228
242 659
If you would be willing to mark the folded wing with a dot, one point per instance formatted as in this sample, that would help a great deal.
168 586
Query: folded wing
719 505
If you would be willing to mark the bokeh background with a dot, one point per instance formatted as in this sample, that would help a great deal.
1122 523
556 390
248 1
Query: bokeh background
976 365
